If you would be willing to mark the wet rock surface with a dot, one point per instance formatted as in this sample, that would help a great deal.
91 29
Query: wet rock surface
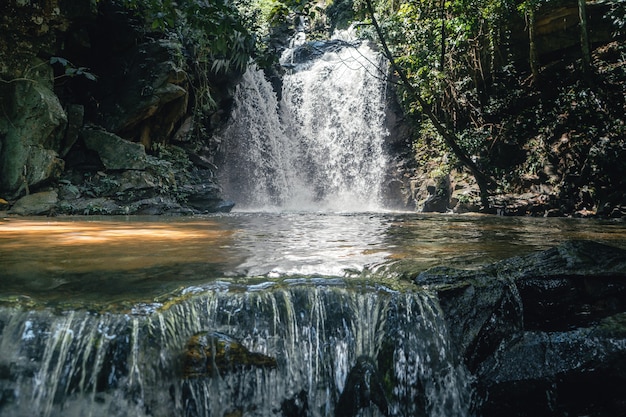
209 354
115 152
363 389
544 334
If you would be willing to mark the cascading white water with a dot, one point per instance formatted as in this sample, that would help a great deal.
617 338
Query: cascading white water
322 146
120 365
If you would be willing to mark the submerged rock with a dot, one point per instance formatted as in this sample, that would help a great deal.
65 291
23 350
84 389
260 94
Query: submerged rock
297 406
209 354
363 389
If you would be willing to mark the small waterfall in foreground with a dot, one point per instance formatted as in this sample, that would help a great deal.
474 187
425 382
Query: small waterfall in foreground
320 350
321 146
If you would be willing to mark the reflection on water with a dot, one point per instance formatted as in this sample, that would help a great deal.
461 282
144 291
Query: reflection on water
139 258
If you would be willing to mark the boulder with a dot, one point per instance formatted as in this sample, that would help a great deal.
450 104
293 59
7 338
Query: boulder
156 206
481 310
544 334
364 388
431 191
209 354
35 120
150 96
114 152
297 406
35 204
205 198
92 206
75 120
308 51
579 372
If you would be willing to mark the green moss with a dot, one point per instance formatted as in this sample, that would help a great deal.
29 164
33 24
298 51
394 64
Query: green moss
613 327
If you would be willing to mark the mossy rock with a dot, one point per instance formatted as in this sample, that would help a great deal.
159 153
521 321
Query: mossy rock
209 354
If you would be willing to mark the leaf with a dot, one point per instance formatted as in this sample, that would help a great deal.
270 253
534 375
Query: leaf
85 73
59 60
90 76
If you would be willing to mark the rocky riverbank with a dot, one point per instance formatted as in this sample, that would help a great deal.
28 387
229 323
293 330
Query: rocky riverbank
100 116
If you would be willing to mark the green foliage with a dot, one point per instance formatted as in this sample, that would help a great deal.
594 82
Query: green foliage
70 70
617 17
341 13
215 30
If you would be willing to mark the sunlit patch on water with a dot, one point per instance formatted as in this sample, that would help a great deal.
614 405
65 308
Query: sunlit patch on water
130 260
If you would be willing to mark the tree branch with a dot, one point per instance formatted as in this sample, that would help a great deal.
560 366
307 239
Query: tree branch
484 182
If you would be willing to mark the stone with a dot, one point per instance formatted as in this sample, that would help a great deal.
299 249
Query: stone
152 82
91 206
544 334
114 152
36 204
432 194
42 165
183 134
31 140
206 198
209 354
480 308
297 406
363 389
75 119
157 206
314 49
555 373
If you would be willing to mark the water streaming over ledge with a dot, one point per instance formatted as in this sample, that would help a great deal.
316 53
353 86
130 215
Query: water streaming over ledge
85 364
321 146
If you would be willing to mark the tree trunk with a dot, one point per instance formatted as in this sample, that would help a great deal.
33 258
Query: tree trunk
584 36
484 182
443 36
533 58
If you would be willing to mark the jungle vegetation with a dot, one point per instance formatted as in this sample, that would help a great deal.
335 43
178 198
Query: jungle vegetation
476 78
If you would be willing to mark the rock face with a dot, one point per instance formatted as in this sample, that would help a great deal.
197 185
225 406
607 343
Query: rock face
92 108
544 334
363 389
151 98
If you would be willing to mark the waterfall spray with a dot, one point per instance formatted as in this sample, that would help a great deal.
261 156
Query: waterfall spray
322 146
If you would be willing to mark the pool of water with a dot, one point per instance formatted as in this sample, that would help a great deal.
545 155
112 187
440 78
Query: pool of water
141 259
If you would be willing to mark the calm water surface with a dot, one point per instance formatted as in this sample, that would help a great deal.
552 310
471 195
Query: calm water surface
138 259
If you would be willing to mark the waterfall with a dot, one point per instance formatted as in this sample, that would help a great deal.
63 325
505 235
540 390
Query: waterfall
109 364
321 147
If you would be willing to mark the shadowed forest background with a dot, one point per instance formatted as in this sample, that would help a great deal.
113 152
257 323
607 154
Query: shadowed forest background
497 106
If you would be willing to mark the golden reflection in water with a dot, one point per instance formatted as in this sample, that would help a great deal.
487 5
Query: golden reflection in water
76 246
